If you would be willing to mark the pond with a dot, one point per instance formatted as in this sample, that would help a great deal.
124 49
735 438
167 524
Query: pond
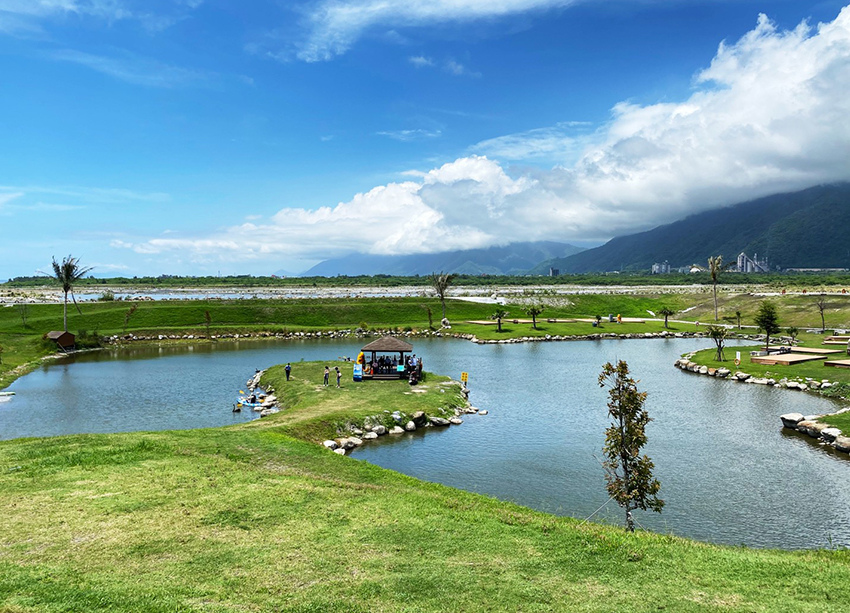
729 472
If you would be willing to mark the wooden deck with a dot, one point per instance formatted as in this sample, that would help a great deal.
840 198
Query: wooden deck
828 342
784 359
837 363
812 350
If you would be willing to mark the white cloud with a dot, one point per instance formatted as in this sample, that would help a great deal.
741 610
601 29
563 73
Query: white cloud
421 61
562 142
334 25
410 135
768 115
459 70
133 69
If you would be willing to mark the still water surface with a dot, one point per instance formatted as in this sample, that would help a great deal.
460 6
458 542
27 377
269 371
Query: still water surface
729 473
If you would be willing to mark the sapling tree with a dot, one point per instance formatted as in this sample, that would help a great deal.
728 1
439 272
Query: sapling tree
24 312
792 331
738 317
534 310
128 315
499 315
430 316
207 322
768 321
718 334
628 474
821 304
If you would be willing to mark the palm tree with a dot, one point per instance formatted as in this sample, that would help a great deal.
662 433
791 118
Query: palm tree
666 312
715 267
499 315
440 282
534 310
68 273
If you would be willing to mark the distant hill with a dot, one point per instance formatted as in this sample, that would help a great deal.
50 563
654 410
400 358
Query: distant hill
806 229
515 258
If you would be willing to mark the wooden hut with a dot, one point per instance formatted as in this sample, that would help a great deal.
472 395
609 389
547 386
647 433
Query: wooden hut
385 358
65 340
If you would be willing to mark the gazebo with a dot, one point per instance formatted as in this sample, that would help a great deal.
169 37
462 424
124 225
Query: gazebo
384 358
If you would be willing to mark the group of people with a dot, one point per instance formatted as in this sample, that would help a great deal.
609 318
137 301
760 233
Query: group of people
327 377
385 365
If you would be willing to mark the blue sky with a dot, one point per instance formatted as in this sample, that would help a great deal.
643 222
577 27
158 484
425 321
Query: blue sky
198 136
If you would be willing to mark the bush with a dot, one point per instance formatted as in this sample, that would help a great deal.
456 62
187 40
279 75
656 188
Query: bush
107 296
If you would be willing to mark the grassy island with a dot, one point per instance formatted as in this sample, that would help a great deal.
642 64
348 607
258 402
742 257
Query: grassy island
259 517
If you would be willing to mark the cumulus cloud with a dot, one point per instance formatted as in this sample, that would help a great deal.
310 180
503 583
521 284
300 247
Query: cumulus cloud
768 115
334 25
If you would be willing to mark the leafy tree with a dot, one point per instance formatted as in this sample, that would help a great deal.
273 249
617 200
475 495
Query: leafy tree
666 312
499 315
821 304
67 274
598 319
628 474
440 282
718 334
534 310
767 320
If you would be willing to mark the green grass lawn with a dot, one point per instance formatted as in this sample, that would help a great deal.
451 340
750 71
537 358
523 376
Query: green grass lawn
255 518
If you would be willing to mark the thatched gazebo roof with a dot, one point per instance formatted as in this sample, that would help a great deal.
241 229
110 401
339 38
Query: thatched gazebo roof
389 344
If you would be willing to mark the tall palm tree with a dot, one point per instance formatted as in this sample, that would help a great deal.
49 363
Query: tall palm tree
666 312
68 273
499 315
440 282
715 267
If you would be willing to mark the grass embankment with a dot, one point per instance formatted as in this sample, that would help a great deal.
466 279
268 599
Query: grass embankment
251 518
23 345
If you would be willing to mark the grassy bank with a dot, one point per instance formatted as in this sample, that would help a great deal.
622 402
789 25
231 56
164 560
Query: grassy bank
255 518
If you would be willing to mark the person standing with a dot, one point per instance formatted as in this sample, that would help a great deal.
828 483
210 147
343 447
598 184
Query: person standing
288 369
338 375
327 376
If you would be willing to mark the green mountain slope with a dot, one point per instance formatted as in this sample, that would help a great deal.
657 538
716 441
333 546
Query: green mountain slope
806 229
515 258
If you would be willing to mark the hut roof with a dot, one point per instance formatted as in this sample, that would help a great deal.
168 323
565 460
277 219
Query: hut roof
388 344
55 334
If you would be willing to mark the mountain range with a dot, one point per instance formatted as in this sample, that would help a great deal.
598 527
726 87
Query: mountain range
805 229
513 259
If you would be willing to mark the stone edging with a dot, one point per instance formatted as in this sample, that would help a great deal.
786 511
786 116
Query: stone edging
810 425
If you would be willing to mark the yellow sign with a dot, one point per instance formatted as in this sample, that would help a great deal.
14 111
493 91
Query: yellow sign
464 376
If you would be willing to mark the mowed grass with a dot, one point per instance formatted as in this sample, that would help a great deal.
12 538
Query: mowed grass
250 518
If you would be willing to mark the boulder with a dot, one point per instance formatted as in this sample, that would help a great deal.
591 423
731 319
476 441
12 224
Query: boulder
379 430
339 450
723 372
419 419
397 430
742 376
842 443
790 420
483 412
356 441
703 370
410 426
455 421
330 444
812 428
439 421
370 436
830 434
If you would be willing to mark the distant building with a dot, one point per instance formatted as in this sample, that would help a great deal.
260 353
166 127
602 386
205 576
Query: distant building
661 269
752 264
554 272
